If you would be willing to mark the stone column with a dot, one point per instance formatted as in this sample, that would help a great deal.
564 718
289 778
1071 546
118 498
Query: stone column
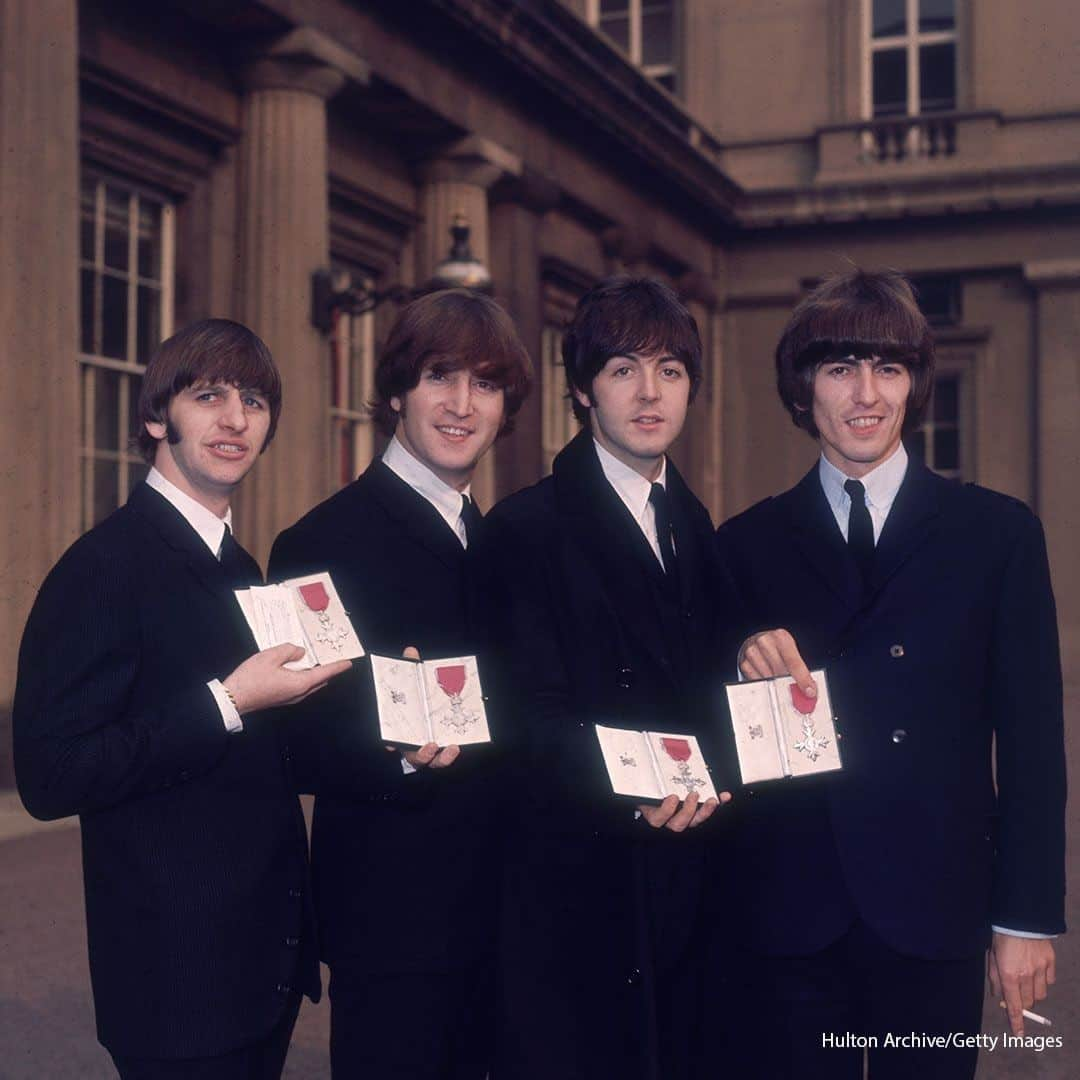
284 237
39 289
517 212
457 181
1057 434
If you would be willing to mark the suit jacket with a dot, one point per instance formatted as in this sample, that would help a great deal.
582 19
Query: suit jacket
599 908
404 876
194 852
954 645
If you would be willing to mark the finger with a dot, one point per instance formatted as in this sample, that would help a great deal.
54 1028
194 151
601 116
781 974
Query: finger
680 820
755 664
658 816
1038 983
1015 1007
794 663
426 753
772 658
320 676
447 756
704 812
1051 970
725 797
411 652
992 975
284 654
1027 991
392 749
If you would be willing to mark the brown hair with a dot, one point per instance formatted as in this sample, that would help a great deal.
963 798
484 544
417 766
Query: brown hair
856 313
622 316
459 329
208 351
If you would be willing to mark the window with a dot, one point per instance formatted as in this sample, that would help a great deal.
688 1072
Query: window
352 387
126 309
938 443
558 425
911 57
645 30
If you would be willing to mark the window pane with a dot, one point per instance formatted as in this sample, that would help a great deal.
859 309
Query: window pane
106 409
149 240
134 386
946 448
114 318
149 322
618 30
86 223
86 311
890 82
116 228
657 36
937 77
106 489
916 446
946 401
890 17
937 15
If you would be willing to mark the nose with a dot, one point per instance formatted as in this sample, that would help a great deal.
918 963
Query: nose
649 386
233 414
865 389
459 401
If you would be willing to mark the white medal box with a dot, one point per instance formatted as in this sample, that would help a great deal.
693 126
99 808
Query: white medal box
422 701
650 765
304 611
780 732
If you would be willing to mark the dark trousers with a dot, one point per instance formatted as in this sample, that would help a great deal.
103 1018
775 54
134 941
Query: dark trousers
815 1017
409 1026
263 1060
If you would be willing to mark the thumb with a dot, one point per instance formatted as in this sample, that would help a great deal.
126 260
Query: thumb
284 654
411 652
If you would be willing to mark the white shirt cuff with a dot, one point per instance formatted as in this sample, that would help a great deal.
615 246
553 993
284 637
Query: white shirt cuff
229 716
406 767
1023 933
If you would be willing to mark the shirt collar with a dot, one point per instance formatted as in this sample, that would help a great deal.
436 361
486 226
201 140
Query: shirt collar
629 485
880 484
206 523
446 499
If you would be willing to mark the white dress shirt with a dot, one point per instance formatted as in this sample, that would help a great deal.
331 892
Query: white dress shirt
634 490
211 530
446 499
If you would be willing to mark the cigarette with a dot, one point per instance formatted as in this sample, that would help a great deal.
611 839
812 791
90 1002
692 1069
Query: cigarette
1034 1016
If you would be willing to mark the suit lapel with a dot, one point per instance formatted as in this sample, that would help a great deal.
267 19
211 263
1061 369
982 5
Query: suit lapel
911 522
418 519
819 540
613 544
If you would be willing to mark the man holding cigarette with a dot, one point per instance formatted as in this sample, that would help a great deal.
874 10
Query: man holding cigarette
873 899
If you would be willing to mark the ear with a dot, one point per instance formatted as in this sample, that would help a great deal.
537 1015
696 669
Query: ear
156 429
582 399
395 403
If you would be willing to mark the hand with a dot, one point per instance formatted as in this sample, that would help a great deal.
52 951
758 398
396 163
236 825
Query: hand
429 756
262 681
774 652
1020 970
670 814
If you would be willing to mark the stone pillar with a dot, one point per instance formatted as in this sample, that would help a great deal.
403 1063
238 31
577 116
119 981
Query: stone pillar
39 289
1057 446
457 181
284 237
517 212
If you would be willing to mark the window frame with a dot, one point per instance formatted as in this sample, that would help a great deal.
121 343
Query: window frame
126 457
636 50
911 41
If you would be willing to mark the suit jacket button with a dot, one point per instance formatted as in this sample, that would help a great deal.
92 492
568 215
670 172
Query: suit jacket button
625 679
292 942
899 735
896 651
634 977
295 894
283 988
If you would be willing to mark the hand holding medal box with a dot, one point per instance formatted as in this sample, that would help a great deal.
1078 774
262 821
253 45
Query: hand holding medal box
439 701
304 611
651 765
780 731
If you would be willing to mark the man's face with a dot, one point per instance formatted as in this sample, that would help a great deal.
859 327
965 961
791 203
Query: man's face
218 432
859 408
638 408
449 420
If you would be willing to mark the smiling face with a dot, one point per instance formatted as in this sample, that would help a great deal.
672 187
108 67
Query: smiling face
638 407
858 409
449 420
213 437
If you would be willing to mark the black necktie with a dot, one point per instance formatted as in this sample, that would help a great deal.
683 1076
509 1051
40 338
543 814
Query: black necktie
664 535
234 563
860 533
470 518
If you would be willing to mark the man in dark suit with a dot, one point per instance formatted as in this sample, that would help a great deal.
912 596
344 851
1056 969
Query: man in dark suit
135 708
603 605
403 860
869 897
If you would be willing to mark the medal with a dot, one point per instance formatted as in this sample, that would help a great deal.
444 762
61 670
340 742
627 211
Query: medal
317 600
451 680
812 744
679 752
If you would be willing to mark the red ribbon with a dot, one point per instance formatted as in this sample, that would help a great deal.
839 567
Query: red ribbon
451 679
803 702
315 596
677 749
